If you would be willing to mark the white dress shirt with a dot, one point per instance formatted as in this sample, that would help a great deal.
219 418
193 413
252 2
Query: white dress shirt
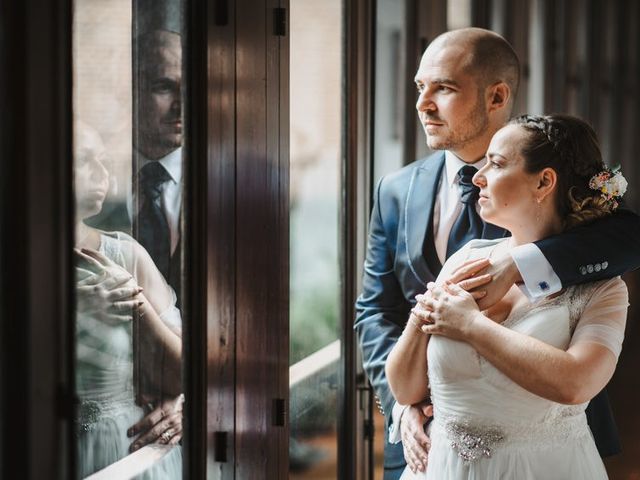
539 278
171 191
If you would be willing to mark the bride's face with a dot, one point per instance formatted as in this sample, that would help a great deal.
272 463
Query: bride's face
506 190
91 178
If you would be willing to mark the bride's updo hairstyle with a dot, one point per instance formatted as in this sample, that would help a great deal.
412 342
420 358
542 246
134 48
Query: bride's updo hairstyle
569 146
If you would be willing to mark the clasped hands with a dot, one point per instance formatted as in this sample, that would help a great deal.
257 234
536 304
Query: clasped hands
449 309
104 289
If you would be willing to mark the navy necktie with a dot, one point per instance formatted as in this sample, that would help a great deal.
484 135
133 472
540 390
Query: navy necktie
153 229
468 225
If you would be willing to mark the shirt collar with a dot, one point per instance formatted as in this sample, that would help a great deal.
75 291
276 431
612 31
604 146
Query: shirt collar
171 162
453 164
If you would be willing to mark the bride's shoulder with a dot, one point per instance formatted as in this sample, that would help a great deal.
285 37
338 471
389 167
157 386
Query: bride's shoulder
472 250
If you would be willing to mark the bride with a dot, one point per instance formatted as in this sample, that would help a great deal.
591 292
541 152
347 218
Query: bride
509 385
128 329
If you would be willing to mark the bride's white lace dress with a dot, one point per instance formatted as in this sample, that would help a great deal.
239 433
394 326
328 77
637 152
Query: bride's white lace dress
104 380
485 426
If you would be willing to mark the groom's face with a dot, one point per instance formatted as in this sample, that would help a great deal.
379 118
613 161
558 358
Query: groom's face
451 103
158 106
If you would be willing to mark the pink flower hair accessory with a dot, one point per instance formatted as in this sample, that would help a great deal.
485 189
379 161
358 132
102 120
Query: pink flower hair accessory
611 184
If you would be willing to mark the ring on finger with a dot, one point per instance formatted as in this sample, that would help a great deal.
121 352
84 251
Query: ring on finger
166 436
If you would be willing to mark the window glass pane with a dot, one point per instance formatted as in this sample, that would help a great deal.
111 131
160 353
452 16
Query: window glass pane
315 116
128 187
390 84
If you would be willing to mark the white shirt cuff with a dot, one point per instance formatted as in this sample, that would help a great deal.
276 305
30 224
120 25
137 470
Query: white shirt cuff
539 278
396 418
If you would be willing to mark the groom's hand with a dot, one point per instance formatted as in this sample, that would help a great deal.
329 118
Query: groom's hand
504 273
415 442
162 425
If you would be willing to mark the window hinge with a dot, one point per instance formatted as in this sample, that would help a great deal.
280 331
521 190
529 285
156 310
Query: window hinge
279 412
280 21
220 446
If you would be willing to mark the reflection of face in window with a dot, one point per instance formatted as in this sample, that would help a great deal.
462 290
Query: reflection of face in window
91 178
158 106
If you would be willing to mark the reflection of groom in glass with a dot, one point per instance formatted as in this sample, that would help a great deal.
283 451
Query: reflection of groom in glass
154 208
157 139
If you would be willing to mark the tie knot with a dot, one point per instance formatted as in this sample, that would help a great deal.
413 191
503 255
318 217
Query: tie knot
151 178
468 191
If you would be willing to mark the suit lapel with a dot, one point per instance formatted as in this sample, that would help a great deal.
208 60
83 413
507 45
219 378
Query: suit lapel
418 220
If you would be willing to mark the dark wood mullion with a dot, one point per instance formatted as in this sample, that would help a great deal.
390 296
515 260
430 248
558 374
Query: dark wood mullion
277 239
280 269
194 309
50 237
257 310
37 351
355 452
346 400
220 221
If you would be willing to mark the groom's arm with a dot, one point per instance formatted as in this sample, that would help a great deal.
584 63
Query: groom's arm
606 248
381 308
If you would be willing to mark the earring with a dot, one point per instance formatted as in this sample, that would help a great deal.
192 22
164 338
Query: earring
538 208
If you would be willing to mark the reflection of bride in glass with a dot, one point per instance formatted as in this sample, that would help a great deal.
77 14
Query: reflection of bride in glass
128 330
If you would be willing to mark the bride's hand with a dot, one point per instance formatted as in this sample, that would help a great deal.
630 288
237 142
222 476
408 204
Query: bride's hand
451 311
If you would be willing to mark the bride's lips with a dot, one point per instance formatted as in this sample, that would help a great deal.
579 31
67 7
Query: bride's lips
482 197
97 193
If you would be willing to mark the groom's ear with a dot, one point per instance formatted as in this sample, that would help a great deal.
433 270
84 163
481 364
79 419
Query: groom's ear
499 95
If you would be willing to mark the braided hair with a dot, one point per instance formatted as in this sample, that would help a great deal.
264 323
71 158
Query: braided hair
569 146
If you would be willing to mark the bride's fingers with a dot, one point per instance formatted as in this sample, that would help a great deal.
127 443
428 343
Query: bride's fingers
415 453
469 269
123 293
475 282
430 329
478 294
422 315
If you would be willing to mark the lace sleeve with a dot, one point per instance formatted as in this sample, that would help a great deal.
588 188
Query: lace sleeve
158 292
604 317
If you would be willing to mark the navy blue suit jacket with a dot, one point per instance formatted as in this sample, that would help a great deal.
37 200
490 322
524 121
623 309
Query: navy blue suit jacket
401 260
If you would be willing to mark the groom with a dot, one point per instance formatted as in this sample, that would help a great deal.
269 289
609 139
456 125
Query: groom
467 82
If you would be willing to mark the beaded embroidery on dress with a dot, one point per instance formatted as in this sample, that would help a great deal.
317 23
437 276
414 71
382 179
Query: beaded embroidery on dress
486 426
